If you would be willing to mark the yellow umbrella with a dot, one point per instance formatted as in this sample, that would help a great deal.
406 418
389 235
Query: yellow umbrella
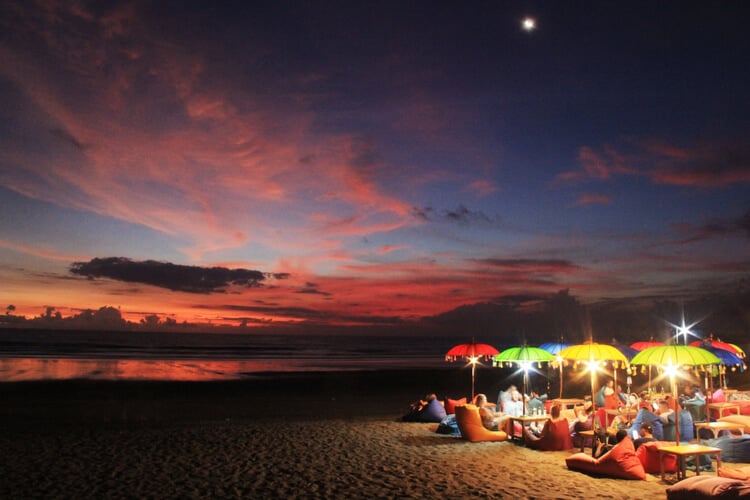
592 354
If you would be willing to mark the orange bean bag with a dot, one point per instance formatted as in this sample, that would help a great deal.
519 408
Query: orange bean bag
708 487
621 461
470 424
741 473
648 454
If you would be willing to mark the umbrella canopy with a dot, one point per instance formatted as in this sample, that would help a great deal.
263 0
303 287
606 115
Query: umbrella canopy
727 359
473 352
523 356
645 344
555 348
627 351
716 343
740 352
593 353
675 355
671 357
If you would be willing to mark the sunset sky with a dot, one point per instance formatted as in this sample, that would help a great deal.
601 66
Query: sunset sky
368 162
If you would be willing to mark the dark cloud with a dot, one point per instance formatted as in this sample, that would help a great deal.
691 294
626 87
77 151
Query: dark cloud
312 316
460 215
547 265
192 279
714 229
68 138
312 288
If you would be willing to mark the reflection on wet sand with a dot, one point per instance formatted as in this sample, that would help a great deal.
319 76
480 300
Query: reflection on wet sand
26 369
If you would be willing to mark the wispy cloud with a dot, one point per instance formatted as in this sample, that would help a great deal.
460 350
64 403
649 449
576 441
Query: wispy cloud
593 199
709 165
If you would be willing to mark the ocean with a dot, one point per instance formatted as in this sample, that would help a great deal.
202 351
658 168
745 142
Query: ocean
55 355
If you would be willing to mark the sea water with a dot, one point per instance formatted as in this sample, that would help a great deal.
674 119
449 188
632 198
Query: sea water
49 355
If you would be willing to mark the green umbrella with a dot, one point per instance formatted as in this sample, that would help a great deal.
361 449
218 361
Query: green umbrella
523 356
671 357
592 353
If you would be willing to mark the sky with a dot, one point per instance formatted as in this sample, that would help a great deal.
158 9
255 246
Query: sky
359 163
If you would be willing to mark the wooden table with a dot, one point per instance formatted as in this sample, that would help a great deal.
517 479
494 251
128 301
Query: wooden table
569 403
716 427
687 450
584 435
525 421
629 414
723 406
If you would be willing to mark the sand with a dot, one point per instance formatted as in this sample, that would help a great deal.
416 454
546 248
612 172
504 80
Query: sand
311 436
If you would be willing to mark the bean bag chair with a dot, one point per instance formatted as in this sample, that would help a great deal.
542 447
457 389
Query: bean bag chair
555 437
470 424
738 419
733 449
433 412
621 461
708 487
741 473
450 405
648 454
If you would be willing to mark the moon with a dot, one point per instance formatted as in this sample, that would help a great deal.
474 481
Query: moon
528 24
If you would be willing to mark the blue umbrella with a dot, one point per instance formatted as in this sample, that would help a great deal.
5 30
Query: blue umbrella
554 348
727 358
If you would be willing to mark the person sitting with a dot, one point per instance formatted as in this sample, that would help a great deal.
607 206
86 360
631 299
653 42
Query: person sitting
665 411
555 434
603 446
491 419
599 395
514 406
687 430
645 415
646 435
429 409
504 397
584 422
535 403
694 401
611 400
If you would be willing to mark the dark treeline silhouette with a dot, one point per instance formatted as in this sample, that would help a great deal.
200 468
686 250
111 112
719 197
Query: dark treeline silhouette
515 319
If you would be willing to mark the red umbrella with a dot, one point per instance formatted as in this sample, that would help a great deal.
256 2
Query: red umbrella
645 344
472 352
717 343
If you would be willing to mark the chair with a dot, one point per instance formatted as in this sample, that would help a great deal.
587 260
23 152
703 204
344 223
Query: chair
470 424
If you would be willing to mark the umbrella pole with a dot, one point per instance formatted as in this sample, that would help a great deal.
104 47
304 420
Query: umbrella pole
593 376
473 365
677 407
561 379
523 396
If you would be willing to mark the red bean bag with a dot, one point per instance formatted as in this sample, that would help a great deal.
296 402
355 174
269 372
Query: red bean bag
621 461
470 424
708 487
648 454
555 437
450 405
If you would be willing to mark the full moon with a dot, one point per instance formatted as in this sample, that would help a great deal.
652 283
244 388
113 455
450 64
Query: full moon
528 24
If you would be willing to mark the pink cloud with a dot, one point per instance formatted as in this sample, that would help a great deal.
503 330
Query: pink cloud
482 187
593 199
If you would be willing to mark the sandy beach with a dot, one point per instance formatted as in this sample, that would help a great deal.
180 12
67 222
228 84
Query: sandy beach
333 435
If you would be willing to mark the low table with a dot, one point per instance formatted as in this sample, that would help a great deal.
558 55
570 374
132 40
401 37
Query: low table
586 435
568 403
687 450
525 421
716 427
720 407
627 413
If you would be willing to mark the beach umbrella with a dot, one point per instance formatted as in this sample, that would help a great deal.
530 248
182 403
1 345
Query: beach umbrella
472 352
593 354
671 358
740 352
710 342
524 356
645 344
727 359
555 348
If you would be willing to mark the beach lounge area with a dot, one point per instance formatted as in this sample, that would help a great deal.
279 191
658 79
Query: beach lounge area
313 435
